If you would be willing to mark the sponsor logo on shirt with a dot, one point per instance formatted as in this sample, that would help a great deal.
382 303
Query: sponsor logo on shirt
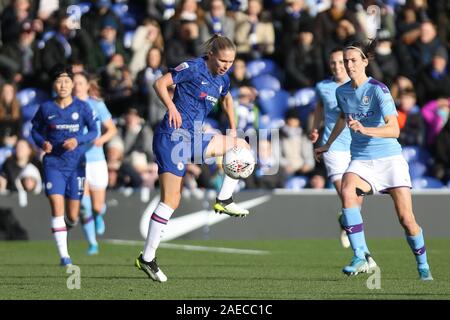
360 115
70 127
181 67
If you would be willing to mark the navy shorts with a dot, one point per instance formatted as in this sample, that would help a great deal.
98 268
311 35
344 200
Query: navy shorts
173 151
70 184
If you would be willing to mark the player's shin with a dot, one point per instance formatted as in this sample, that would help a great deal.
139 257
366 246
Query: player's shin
158 222
353 224
59 230
228 186
417 244
87 219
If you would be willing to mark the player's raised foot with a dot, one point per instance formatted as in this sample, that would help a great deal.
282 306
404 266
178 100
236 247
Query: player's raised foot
371 261
151 269
230 208
425 274
65 262
99 224
345 242
357 265
92 250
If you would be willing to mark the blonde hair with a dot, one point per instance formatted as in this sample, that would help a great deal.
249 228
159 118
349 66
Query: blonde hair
218 43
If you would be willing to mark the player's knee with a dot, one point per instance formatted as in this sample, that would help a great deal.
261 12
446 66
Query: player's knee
408 222
172 199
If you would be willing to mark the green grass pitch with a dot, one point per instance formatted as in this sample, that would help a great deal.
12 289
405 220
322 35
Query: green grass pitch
291 269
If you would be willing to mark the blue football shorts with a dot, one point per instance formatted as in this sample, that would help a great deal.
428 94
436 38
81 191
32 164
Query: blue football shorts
70 184
174 151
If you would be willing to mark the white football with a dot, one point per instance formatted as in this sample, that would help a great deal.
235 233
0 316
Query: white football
238 163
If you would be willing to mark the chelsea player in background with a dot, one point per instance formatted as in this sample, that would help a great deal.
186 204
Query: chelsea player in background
58 130
200 84
377 164
93 203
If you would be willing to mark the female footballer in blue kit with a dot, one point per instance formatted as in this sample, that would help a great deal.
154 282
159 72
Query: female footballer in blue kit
200 84
58 130
377 164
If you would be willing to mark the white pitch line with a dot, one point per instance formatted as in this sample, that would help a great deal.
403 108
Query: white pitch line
189 247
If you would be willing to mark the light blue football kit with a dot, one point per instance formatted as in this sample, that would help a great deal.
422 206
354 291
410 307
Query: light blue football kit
370 103
196 93
326 92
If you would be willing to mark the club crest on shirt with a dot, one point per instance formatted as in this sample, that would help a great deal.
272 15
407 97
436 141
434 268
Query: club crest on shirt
75 116
180 166
365 100
181 67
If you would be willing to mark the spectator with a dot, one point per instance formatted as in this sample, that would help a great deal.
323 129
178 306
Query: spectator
217 21
137 139
435 78
317 178
435 114
12 18
148 35
14 165
29 180
304 65
186 44
107 45
268 172
327 22
23 57
120 174
255 33
118 85
296 148
441 169
411 124
400 84
385 66
10 116
290 17
149 102
63 46
246 111
238 76
94 19
187 10
425 46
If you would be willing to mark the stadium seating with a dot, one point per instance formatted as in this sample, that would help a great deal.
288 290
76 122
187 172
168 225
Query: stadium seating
273 103
122 11
259 67
266 82
85 7
296 183
29 99
417 169
305 101
427 183
416 154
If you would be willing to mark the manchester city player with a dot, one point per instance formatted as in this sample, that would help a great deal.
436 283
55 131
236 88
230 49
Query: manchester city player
377 165
200 84
337 158
58 130
93 206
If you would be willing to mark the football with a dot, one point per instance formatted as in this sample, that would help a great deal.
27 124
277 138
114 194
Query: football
238 163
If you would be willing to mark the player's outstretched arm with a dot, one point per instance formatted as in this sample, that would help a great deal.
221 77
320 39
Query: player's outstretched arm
317 121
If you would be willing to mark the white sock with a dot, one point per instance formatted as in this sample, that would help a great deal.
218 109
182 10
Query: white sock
59 230
156 228
228 186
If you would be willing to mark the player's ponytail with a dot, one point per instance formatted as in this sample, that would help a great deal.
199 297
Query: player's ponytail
217 43
366 50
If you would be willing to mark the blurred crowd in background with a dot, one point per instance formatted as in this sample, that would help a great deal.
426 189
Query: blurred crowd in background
282 52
